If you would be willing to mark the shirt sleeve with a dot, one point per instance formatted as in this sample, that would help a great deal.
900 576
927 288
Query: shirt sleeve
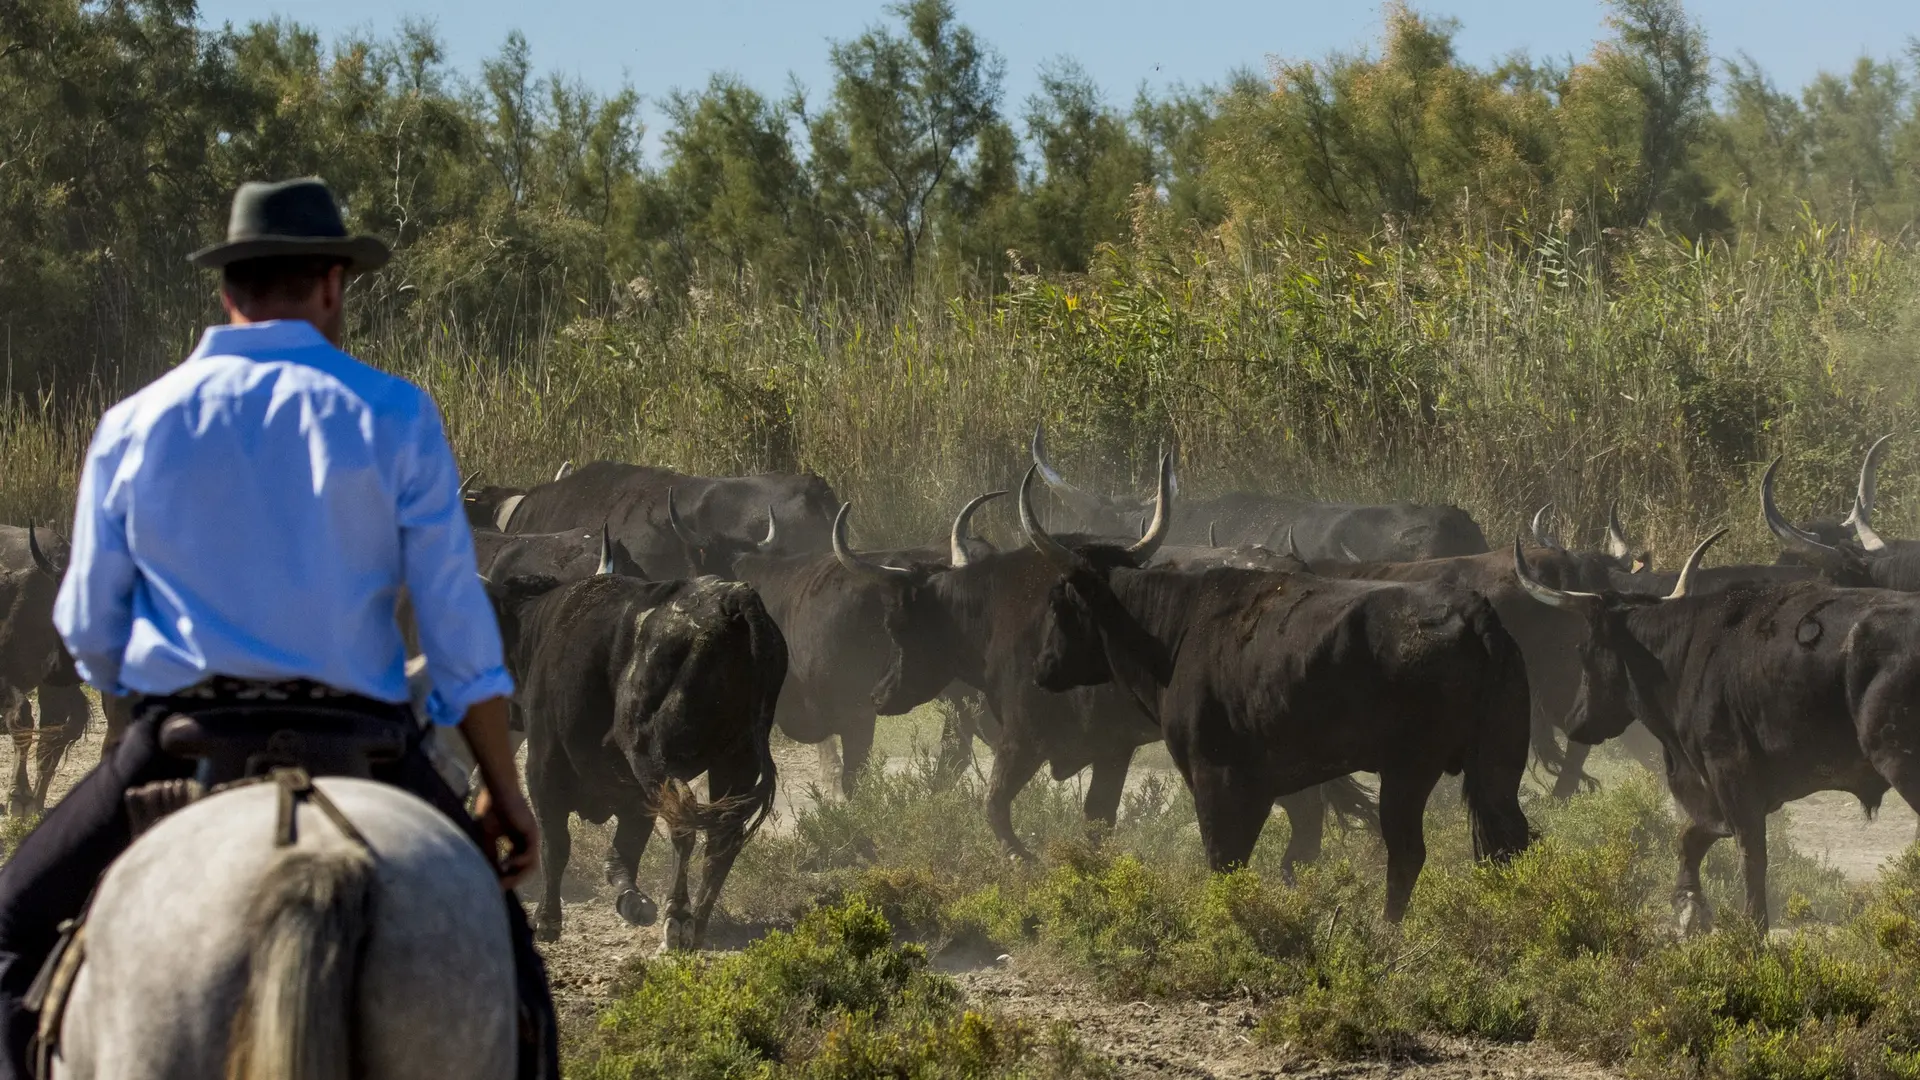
458 633
94 609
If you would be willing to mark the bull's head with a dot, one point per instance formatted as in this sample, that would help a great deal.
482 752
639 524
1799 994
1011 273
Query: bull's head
1102 515
1075 644
921 655
1621 680
709 553
1842 563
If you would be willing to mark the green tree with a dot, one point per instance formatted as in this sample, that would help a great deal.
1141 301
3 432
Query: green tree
733 194
905 111
1090 166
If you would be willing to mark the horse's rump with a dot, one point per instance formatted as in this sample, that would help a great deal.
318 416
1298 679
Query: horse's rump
204 927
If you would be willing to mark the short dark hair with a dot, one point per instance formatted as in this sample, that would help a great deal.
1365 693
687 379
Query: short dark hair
277 277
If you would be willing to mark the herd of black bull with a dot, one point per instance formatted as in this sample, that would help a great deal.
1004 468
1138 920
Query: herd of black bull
659 625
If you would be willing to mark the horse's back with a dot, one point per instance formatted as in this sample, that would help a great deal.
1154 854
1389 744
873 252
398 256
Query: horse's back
168 955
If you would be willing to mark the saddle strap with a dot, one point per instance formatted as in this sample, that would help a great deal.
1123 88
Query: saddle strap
50 992
295 787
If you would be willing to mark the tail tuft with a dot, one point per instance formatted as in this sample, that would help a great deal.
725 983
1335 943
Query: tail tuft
306 927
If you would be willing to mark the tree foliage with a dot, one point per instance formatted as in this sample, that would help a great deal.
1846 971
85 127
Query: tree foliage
513 194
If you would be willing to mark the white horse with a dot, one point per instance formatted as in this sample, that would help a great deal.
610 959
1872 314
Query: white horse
209 951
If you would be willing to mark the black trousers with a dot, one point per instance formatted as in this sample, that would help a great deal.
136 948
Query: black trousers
50 876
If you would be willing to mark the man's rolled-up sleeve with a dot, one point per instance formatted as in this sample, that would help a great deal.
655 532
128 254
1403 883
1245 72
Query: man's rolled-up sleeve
458 633
94 609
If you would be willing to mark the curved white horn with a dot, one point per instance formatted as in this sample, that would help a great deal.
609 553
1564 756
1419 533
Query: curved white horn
1539 528
1293 548
1547 594
1617 545
1055 552
851 562
606 553
957 539
1692 565
1862 516
1085 501
467 482
1347 552
1213 540
1795 540
1162 524
565 470
772 539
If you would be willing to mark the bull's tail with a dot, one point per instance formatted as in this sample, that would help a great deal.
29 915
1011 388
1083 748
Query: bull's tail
1496 754
1352 804
306 927
769 654
1546 742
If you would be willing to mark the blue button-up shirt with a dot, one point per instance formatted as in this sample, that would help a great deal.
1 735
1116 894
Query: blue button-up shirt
254 513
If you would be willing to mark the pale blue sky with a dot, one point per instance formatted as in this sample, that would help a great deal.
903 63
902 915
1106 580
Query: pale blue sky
659 46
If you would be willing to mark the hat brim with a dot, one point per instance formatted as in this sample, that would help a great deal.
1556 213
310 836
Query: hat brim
362 253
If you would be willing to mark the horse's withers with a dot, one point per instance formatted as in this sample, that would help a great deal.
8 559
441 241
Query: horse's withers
169 954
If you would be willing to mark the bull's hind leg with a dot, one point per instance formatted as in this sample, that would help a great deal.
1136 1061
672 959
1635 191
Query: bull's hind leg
856 746
1573 772
1014 763
1108 784
551 813
1403 808
20 724
1689 898
679 934
1306 821
730 791
630 835
63 722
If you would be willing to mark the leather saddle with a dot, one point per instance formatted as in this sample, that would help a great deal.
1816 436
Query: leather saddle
234 743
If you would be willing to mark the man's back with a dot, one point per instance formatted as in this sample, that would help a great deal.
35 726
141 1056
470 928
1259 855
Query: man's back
269 497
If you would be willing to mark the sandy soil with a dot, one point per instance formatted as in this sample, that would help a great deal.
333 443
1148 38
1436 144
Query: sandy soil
1157 1039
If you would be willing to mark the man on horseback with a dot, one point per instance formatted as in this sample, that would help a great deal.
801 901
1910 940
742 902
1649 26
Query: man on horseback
245 525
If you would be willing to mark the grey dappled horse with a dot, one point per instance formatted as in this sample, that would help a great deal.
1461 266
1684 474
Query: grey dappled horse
316 960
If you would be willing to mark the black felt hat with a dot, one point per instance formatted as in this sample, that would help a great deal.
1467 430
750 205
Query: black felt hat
291 217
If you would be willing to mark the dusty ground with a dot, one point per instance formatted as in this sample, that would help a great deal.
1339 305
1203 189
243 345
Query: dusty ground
1157 1039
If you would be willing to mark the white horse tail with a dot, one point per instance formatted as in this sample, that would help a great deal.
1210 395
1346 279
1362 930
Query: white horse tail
305 928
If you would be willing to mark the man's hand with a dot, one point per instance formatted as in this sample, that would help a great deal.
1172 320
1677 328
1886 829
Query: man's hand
502 810
509 818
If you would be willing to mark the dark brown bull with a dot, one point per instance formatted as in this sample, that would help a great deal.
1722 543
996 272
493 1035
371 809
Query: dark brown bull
1323 530
1761 694
1267 683
671 524
832 609
631 689
980 624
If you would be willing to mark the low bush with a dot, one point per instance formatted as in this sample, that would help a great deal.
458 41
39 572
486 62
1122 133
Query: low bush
835 997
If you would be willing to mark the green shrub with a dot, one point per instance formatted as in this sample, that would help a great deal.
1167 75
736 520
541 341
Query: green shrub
833 998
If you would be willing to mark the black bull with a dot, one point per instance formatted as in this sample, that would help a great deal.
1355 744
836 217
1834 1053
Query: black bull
1385 532
721 517
1266 683
980 625
632 688
32 660
1760 694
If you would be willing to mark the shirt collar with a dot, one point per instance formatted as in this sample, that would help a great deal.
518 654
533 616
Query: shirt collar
254 339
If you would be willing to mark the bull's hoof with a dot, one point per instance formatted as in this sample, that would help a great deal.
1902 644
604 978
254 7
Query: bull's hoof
637 908
679 935
546 931
1692 914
